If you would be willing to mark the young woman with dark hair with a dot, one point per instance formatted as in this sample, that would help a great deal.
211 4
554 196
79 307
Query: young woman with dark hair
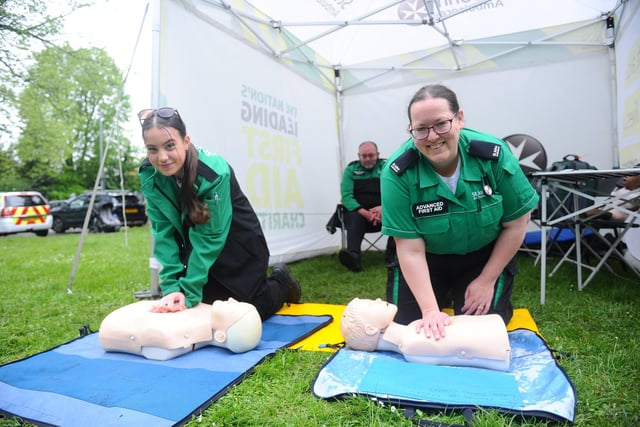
208 238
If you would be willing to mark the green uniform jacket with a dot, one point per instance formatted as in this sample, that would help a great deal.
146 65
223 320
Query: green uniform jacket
230 248
360 187
416 203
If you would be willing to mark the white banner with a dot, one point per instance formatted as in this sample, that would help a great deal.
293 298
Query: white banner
275 129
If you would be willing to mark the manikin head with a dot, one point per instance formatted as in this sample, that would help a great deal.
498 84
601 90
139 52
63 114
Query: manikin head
235 325
363 320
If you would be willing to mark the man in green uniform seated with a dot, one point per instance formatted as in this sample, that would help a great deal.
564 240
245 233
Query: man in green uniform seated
360 191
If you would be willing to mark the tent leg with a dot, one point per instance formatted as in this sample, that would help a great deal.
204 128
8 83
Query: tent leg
154 287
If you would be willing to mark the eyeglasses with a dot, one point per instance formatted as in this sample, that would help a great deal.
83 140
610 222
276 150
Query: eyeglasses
440 128
164 112
367 155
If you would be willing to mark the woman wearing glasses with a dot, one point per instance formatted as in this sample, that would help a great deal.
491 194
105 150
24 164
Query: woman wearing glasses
457 204
208 238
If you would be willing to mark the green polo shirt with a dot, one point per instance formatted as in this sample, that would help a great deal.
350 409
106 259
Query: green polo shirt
416 203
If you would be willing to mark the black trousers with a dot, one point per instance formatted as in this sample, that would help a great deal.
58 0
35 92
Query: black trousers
356 227
450 276
244 264
268 299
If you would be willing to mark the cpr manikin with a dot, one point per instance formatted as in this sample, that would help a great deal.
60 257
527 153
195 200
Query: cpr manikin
135 329
476 341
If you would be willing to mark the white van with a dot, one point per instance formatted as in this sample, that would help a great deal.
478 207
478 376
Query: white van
24 211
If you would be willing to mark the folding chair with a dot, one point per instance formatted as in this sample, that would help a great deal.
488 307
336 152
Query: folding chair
559 241
337 221
591 238
589 227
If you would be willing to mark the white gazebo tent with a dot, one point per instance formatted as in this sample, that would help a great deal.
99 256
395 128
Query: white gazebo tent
285 90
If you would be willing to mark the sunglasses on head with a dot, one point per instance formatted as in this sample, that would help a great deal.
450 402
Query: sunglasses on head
164 112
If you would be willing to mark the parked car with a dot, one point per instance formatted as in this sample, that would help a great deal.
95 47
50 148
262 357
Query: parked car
24 211
107 214
54 203
135 207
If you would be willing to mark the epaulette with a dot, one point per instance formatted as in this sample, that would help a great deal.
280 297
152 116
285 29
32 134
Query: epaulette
404 161
206 172
145 164
484 149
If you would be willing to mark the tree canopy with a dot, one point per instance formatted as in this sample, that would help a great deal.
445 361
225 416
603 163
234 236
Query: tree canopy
60 108
72 110
25 26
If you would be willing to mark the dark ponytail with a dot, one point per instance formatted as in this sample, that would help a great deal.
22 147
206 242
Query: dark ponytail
198 211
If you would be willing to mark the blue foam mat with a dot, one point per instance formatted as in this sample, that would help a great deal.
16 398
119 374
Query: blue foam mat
78 383
535 384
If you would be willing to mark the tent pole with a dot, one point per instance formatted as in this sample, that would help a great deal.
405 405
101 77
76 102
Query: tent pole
610 41
154 266
87 218
614 108
99 179
340 119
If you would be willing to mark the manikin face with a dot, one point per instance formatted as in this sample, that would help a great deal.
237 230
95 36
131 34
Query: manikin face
368 155
376 314
440 149
166 150
224 313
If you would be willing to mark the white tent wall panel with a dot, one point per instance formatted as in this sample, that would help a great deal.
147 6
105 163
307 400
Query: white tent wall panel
277 130
566 105
628 87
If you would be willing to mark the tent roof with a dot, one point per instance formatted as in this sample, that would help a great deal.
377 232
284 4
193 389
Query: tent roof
366 39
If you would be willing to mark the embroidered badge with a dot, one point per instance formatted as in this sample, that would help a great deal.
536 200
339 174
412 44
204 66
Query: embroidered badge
434 207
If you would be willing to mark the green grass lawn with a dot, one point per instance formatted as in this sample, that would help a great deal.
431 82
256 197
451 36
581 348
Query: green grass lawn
597 327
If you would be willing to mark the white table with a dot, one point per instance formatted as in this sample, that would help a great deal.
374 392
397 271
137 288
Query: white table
573 182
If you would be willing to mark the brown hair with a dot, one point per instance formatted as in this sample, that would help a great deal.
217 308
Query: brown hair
198 210
435 91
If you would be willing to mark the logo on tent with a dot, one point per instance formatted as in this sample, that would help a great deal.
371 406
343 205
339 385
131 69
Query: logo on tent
412 10
529 151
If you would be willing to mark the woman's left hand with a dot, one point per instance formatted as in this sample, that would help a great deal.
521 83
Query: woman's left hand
477 298
170 303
